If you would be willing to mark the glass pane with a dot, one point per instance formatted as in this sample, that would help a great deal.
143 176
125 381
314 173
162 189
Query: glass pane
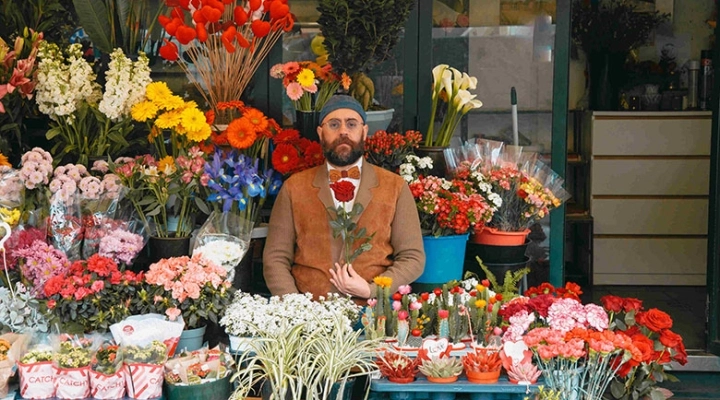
387 77
504 44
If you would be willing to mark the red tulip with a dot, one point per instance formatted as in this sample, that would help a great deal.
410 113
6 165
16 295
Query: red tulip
169 51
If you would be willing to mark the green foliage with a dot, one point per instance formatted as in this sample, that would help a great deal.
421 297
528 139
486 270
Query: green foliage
344 226
52 17
509 288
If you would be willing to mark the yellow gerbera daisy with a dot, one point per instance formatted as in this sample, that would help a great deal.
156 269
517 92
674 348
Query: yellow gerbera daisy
143 111
157 91
306 77
383 281
168 120
170 103
193 119
199 135
166 165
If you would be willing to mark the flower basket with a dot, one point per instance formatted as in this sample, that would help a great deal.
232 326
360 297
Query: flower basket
36 380
107 386
219 389
72 383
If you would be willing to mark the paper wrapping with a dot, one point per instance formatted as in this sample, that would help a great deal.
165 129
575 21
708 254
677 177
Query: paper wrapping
72 383
104 387
17 344
141 330
36 380
143 381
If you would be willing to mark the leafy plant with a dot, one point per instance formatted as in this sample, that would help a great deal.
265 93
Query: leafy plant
510 286
55 18
482 360
360 35
442 367
395 365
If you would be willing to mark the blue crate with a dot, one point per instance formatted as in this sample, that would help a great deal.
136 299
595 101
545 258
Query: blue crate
421 389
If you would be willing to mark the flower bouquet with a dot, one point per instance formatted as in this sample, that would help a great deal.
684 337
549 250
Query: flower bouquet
388 150
294 153
107 375
201 374
144 369
92 295
35 172
86 121
11 346
72 366
35 368
307 84
225 44
196 287
224 239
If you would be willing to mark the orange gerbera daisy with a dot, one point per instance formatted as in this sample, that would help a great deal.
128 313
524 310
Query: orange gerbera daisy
285 158
287 136
224 105
256 118
241 133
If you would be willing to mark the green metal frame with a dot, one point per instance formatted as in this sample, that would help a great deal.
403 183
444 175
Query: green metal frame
713 243
561 82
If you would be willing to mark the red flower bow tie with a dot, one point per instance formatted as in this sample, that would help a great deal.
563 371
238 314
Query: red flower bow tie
352 173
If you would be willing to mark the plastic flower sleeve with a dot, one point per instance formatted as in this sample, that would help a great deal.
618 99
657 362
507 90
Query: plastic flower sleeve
65 224
99 208
224 239
11 347
35 368
71 363
12 196
107 375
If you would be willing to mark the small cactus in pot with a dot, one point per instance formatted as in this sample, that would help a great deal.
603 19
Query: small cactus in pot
441 369
398 367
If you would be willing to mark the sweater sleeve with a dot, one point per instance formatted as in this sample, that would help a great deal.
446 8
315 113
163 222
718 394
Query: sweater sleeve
406 239
279 250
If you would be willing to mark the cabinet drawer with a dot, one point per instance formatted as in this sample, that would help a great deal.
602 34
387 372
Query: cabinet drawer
681 177
650 216
650 255
655 136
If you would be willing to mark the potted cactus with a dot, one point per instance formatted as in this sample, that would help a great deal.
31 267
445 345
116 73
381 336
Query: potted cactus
483 365
398 367
441 369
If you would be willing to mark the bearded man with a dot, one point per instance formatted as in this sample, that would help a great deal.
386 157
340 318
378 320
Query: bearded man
301 255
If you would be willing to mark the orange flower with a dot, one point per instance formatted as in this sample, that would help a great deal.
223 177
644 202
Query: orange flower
224 105
345 81
256 118
4 161
285 158
241 133
286 136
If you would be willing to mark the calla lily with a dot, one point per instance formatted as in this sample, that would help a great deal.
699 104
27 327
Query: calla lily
461 98
447 83
438 73
472 104
457 79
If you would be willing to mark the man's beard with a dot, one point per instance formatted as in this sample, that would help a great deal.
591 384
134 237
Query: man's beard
347 158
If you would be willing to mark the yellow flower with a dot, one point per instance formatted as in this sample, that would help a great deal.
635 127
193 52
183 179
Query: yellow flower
157 91
383 281
306 77
166 165
199 135
168 120
480 303
11 217
479 288
193 119
143 111
170 103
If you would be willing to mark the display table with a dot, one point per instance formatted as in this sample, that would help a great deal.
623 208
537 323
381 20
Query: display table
422 389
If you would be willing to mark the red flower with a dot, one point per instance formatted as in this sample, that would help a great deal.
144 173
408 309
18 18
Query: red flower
654 319
53 286
285 158
425 296
51 304
437 291
632 304
541 304
100 265
612 303
646 347
344 190
443 314
397 296
670 339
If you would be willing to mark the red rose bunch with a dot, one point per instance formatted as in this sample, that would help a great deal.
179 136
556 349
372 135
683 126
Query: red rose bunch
294 153
343 225
92 295
650 331
229 38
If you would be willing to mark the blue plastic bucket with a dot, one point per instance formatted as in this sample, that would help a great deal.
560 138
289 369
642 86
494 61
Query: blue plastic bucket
444 258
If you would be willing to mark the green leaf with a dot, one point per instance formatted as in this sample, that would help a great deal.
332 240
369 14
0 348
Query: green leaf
656 394
90 14
154 212
122 8
202 206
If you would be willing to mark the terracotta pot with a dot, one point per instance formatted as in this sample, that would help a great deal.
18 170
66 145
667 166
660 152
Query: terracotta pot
483 377
494 237
448 379
401 380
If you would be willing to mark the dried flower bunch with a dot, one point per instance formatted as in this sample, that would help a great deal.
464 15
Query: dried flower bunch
612 26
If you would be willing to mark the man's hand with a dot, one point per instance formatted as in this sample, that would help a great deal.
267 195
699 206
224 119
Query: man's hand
347 281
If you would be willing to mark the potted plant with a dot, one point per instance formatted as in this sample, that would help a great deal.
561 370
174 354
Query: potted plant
441 369
398 367
482 365
359 35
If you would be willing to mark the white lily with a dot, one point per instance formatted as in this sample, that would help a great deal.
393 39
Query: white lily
468 82
461 98
438 73
472 104
457 79
447 80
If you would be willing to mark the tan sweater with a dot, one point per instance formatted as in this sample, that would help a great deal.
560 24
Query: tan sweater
300 249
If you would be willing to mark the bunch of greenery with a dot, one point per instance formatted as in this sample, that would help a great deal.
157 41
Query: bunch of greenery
612 26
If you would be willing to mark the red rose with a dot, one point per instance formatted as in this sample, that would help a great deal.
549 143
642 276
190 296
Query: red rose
612 303
670 339
631 304
680 354
663 357
344 190
646 347
654 319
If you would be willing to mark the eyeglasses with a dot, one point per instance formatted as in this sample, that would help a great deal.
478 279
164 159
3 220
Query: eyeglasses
351 124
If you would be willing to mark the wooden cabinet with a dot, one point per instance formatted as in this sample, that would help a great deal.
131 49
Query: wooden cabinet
649 184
